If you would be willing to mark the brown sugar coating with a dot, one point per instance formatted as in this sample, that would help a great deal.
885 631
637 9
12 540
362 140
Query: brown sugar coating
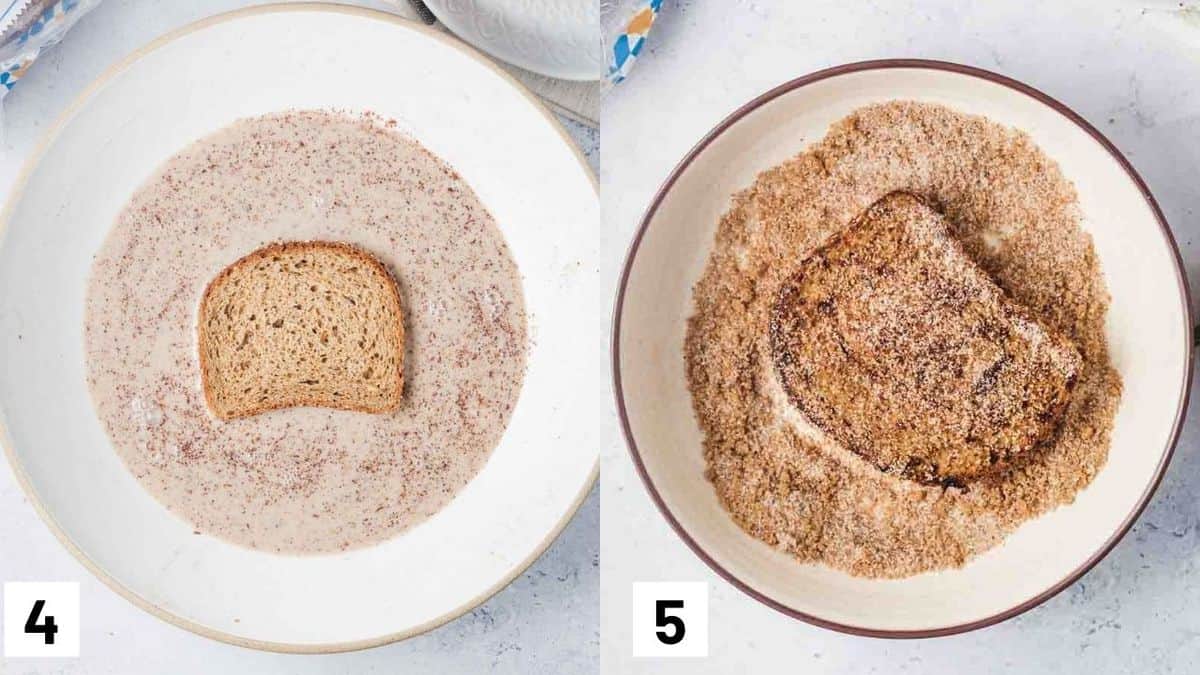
891 341
1015 215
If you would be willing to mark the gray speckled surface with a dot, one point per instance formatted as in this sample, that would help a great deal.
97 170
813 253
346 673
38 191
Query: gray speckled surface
547 621
1131 68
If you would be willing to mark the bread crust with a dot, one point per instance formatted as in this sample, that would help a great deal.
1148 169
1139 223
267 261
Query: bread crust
300 398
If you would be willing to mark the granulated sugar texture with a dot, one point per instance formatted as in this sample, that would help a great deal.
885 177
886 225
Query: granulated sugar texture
1016 216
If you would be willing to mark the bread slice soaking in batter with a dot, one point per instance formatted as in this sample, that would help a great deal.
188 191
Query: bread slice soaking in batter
302 324
897 345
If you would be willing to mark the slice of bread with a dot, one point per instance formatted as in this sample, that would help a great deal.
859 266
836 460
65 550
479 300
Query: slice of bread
302 324
898 346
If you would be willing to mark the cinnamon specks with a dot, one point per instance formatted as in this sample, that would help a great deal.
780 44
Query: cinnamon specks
1015 215
306 480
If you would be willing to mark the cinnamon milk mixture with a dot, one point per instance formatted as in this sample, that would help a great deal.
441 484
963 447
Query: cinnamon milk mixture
306 480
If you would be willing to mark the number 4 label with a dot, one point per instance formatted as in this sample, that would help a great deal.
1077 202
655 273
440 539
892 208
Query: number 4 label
47 627
41 619
670 619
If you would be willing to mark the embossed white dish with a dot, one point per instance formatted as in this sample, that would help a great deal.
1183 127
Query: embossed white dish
1148 327
558 38
182 87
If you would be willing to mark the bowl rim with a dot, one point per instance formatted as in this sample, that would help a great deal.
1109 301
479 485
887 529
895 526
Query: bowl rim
887 64
18 189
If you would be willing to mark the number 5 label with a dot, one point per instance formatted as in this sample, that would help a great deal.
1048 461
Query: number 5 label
670 619
41 619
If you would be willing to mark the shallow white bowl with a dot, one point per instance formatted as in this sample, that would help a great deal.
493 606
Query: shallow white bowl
191 83
1149 330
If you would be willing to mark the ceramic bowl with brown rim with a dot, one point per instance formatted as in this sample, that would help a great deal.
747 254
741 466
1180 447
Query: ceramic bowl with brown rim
1148 328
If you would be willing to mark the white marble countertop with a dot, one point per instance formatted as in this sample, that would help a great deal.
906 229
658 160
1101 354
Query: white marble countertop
546 621
1133 69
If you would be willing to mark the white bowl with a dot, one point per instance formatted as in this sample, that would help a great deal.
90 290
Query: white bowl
1149 330
557 38
189 84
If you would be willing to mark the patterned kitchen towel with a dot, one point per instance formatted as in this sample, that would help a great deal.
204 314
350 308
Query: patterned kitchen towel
28 27
626 25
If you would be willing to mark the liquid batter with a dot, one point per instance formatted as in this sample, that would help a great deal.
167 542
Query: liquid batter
306 480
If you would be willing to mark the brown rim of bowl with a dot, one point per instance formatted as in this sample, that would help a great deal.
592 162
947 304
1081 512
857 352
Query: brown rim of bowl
885 64
35 156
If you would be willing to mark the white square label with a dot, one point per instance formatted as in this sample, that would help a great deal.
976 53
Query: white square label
670 619
41 619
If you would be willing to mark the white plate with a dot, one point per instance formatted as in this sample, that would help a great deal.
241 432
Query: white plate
558 38
187 85
1149 331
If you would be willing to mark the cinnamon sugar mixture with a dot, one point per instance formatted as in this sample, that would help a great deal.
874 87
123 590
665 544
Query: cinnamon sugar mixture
900 349
305 480
1016 216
